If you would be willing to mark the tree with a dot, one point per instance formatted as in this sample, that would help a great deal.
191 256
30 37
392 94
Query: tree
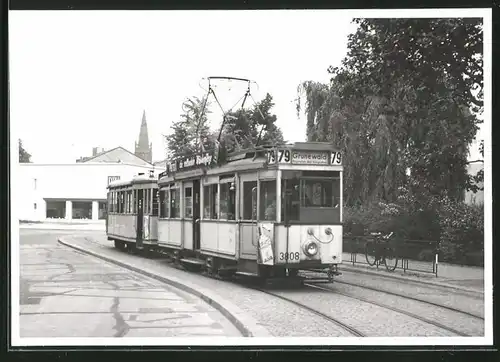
402 99
242 127
24 156
192 128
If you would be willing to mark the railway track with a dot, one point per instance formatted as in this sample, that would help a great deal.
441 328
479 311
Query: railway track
410 298
348 328
397 310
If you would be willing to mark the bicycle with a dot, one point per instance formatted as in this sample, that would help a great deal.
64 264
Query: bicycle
379 250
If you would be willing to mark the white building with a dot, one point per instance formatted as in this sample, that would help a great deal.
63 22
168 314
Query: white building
75 191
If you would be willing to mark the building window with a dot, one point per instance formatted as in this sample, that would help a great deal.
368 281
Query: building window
34 205
188 202
34 183
82 210
102 210
267 200
55 209
249 200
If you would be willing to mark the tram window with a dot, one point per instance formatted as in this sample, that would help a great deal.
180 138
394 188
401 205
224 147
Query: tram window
134 202
249 200
155 202
129 202
290 204
174 203
120 195
317 193
145 201
227 202
167 203
188 202
206 202
210 202
267 200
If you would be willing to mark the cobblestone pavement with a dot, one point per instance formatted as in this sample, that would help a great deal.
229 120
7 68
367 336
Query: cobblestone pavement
469 277
64 293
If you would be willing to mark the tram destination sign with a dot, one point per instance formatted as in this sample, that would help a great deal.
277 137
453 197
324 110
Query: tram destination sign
296 157
310 158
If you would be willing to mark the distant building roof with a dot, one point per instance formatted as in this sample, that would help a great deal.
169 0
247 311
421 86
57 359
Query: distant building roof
117 155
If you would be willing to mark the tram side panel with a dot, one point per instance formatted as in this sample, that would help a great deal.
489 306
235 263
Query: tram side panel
209 236
153 228
249 235
127 226
187 228
169 231
227 238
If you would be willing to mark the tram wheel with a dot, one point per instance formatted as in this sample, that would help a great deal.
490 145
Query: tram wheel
120 245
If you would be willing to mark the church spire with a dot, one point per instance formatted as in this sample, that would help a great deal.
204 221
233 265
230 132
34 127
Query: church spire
143 148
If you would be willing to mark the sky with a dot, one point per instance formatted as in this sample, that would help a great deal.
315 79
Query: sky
82 79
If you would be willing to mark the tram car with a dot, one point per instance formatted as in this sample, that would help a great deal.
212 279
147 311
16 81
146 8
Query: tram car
266 212
132 217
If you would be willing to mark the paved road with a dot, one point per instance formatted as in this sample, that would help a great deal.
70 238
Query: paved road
64 293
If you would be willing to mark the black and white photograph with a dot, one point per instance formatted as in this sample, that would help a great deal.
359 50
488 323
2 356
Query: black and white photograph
251 177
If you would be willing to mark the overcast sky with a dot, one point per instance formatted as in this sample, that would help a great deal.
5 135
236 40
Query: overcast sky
80 79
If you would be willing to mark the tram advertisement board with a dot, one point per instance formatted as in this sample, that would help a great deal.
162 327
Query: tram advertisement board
113 178
266 243
186 163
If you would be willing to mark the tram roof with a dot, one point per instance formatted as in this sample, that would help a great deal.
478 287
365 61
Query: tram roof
250 158
139 179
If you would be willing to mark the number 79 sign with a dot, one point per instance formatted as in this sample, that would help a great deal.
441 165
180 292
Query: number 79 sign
281 156
335 158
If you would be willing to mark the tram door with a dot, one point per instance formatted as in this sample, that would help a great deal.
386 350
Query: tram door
140 218
196 215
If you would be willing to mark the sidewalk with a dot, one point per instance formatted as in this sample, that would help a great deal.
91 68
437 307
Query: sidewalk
466 278
93 226
66 294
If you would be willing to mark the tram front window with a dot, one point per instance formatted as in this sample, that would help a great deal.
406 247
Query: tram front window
311 196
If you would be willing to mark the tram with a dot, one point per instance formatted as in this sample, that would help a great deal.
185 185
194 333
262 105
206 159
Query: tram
265 212
132 217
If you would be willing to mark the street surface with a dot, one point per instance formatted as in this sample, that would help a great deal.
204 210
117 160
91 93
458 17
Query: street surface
64 293
284 319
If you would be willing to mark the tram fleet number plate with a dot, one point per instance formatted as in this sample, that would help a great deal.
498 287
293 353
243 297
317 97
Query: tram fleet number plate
304 157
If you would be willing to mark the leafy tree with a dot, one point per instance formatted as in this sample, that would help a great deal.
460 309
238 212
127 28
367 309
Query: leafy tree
402 99
24 156
192 128
242 127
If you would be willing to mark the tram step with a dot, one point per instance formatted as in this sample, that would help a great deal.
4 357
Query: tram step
316 280
192 261
246 274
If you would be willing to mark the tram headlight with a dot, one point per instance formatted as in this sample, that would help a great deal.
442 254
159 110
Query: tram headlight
311 248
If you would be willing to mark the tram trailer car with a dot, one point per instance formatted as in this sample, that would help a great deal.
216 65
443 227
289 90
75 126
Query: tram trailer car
266 212
132 217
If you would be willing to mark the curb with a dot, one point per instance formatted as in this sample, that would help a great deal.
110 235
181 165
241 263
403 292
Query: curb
245 324
399 277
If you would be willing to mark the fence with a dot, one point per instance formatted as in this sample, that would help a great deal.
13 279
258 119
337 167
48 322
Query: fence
412 255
